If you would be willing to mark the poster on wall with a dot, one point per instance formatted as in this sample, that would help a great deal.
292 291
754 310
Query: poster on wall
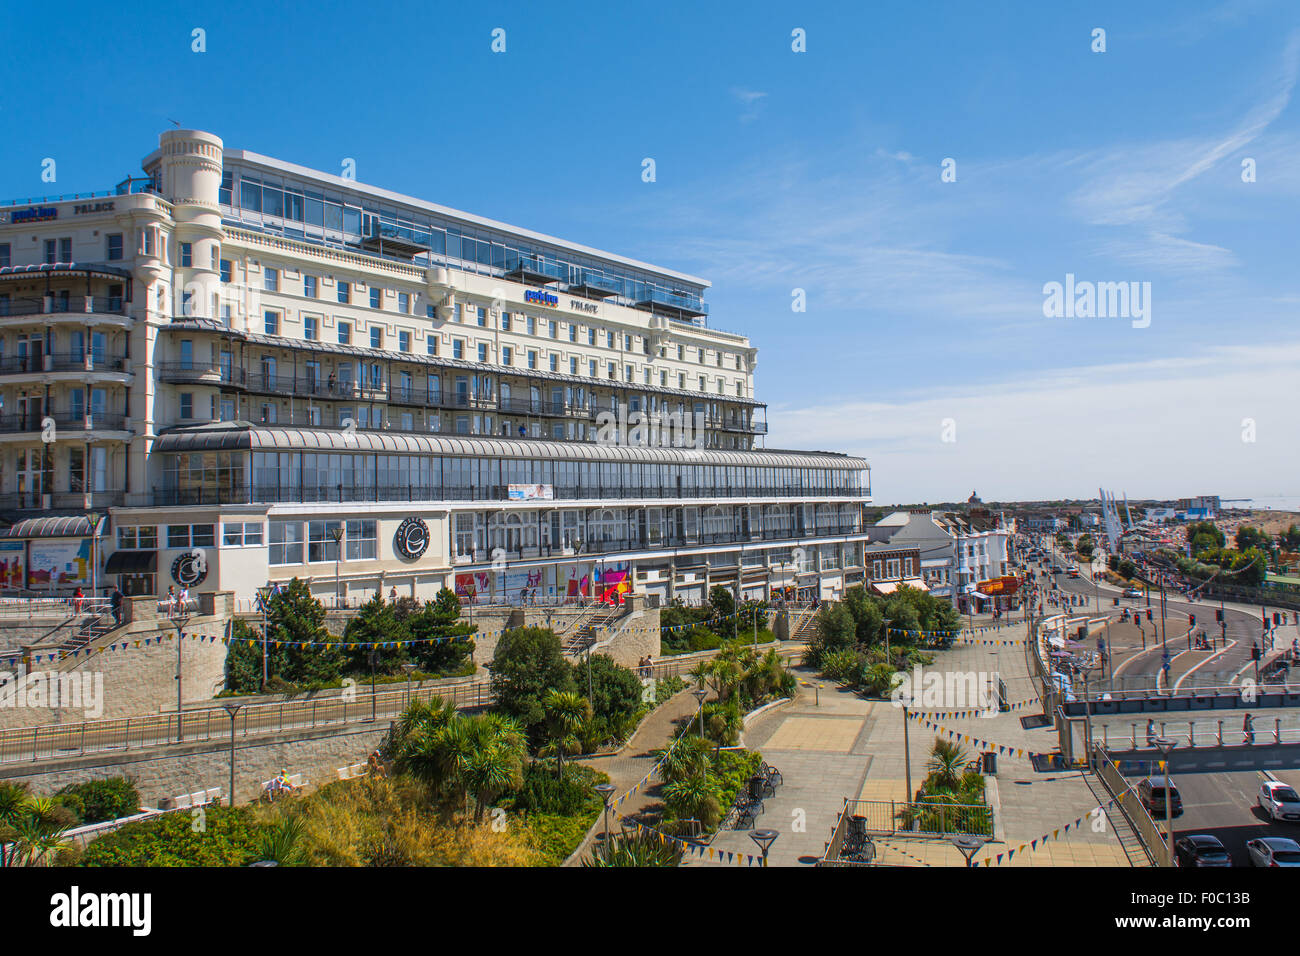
13 564
524 586
607 583
58 563
530 492
473 587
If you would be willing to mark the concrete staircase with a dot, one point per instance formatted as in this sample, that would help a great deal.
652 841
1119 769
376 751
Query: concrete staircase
588 631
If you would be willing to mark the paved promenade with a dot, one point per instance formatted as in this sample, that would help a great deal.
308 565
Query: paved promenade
831 744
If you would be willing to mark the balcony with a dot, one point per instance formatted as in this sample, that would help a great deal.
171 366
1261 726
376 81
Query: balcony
32 424
187 373
76 362
671 303
61 501
78 306
594 285
533 269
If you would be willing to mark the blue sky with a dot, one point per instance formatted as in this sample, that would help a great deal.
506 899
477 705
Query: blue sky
820 171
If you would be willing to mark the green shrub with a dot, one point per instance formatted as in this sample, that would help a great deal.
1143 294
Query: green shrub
99 800
219 836
543 793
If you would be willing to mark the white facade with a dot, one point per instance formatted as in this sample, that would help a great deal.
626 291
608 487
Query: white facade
261 372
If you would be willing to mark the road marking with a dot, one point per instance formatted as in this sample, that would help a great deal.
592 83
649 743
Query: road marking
1229 646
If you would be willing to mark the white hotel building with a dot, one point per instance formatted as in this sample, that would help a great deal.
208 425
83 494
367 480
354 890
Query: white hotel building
259 371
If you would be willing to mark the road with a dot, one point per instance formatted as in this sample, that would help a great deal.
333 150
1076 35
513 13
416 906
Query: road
1223 805
1222 666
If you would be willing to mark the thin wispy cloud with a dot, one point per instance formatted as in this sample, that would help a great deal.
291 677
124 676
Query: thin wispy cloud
751 102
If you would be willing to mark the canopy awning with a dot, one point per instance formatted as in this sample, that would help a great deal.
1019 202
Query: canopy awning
889 587
132 562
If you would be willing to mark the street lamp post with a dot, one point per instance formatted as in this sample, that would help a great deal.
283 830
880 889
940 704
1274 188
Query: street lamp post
232 710
179 618
764 838
1165 745
969 844
606 790
373 655
700 693
337 535
906 700
408 668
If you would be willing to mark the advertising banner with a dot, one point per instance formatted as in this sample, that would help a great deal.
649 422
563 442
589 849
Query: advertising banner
530 492
13 564
63 561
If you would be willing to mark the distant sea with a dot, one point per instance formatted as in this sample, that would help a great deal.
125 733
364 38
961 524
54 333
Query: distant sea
1274 503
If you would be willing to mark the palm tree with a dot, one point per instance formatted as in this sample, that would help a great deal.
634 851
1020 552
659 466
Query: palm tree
566 712
636 849
497 763
688 758
35 831
947 764
694 798
281 842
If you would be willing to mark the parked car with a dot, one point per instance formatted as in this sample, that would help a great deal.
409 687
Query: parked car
1201 849
1273 851
1132 592
1057 569
1073 572
1151 791
1279 801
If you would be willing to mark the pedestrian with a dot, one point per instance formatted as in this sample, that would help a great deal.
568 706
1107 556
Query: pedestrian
78 597
392 595
1248 729
115 602
1151 732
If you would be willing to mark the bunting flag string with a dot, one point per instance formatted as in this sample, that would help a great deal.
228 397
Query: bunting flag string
976 712
1054 834
1002 749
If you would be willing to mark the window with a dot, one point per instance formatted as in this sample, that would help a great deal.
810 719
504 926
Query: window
286 543
573 365
591 367
627 343
507 354
482 352
609 340
505 321
137 538
310 330
241 534
187 404
272 323
376 337
404 341
613 370
187 255
552 328
458 348
309 286
432 345
321 543
225 270
186 536
361 540
591 336
376 298
404 302
271 279
114 248
573 332
345 333
532 358
532 325
555 359
482 317
345 292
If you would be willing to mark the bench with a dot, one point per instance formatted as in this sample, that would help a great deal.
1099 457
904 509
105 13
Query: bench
272 787
352 771
199 798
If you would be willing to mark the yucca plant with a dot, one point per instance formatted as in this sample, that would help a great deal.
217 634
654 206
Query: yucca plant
947 764
636 849
282 842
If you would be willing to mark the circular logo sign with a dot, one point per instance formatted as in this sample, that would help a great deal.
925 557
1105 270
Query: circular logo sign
412 538
190 568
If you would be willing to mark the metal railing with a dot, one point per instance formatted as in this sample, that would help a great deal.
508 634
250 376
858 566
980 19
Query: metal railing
924 819
211 722
1148 833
